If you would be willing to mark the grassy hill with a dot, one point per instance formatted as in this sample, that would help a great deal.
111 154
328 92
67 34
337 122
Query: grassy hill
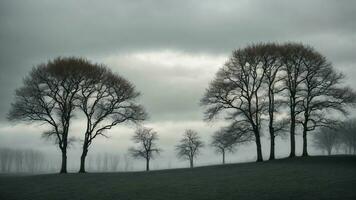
299 178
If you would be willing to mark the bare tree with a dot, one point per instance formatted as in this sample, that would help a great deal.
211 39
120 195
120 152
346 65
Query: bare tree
223 141
293 56
270 54
48 97
326 139
147 149
106 100
189 146
321 94
237 90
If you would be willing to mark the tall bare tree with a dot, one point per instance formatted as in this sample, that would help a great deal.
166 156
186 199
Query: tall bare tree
146 138
292 57
321 94
106 100
48 97
189 146
270 56
237 90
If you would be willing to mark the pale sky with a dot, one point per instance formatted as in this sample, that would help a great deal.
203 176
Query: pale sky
169 49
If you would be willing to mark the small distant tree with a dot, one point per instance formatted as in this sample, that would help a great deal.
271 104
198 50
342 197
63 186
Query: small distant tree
223 142
226 139
326 139
189 146
147 149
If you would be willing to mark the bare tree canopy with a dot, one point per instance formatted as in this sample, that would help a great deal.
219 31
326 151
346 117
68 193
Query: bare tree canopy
48 97
189 146
106 99
147 149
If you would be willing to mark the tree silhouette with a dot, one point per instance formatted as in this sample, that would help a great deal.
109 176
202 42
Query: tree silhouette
237 90
225 140
189 146
48 97
321 93
146 138
106 99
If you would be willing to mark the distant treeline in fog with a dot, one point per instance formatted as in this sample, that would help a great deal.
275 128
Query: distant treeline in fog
35 161
23 161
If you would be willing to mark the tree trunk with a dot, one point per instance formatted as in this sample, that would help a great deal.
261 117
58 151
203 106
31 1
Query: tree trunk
147 164
271 119
305 142
223 157
64 161
82 159
292 132
258 146
191 162
272 151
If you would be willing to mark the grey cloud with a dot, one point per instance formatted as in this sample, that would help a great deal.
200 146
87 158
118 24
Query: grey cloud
35 31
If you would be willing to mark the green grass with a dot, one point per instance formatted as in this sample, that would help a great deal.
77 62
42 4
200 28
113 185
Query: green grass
299 178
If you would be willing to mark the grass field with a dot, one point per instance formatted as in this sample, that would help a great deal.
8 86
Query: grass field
299 178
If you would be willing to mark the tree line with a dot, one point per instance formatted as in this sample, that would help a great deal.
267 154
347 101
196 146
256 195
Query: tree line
277 85
22 161
337 138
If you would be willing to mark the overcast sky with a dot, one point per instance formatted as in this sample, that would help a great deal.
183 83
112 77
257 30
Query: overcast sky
169 49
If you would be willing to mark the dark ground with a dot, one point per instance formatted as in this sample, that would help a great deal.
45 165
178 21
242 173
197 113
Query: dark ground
299 178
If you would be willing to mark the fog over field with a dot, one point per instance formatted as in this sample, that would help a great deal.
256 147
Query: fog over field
170 50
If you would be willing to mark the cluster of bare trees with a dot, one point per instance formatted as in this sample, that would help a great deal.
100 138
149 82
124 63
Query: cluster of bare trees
22 161
188 147
337 138
53 92
277 85
268 82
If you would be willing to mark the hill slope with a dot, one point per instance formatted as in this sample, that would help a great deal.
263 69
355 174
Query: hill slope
299 178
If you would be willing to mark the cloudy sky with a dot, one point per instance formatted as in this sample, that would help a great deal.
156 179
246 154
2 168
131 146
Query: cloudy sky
169 49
